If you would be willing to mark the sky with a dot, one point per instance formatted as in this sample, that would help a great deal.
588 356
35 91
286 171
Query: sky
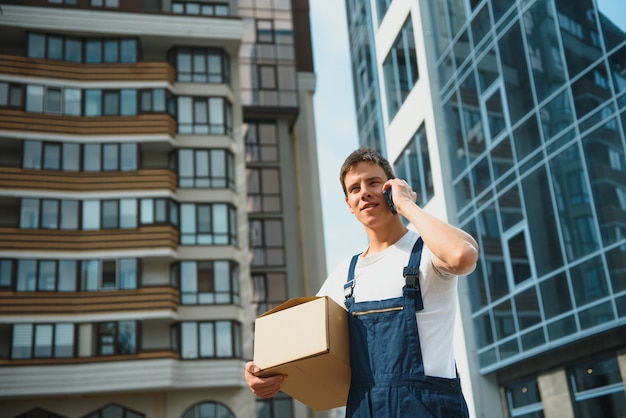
335 126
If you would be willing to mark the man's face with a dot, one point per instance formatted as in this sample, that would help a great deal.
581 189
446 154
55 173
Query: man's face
364 185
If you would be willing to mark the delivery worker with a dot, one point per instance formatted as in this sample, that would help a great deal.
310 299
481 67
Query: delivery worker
401 296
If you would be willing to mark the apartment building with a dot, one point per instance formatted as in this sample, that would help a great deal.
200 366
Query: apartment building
155 158
508 119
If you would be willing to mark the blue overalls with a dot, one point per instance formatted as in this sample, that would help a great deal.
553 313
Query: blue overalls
388 379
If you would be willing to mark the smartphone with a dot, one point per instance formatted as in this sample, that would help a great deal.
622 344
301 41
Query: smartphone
389 199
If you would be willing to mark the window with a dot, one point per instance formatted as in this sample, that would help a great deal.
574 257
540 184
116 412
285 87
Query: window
7 269
413 165
158 211
400 69
49 214
280 405
214 339
42 341
114 411
53 100
202 65
117 338
597 388
518 255
109 214
263 190
110 103
207 282
11 94
261 141
269 290
204 9
207 224
210 410
67 48
524 399
210 168
266 242
264 31
109 4
109 274
204 115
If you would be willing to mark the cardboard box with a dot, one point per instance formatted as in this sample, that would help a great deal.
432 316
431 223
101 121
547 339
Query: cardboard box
308 340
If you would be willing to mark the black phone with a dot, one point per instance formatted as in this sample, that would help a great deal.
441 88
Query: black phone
389 199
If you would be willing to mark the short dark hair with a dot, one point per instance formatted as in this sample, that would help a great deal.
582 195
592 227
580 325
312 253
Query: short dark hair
364 155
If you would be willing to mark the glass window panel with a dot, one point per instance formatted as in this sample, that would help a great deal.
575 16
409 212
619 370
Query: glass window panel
22 341
73 50
110 154
577 21
127 273
91 214
596 315
64 341
207 339
49 214
147 211
128 213
69 214
589 281
562 328
110 214
111 102
67 276
188 277
127 337
91 157
52 156
539 211
504 319
36 45
93 102
55 47
224 338
93 51
160 210
6 273
555 295
43 341
129 157
90 275
47 276
4 94
548 69
128 100
26 275
159 100
32 154
53 100
29 213
516 77
128 50
189 340
34 98
111 50
71 102
616 260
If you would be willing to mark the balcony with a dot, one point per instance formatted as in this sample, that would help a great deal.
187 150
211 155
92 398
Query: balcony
70 303
144 179
63 70
146 237
19 121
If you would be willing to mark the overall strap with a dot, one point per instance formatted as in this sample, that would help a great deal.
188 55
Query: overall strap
412 271
348 288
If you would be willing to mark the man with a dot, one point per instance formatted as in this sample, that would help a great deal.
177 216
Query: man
401 296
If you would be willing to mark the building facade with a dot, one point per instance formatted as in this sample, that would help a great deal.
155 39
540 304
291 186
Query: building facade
508 118
154 156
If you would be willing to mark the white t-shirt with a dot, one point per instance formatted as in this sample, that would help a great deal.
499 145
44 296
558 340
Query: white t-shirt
379 276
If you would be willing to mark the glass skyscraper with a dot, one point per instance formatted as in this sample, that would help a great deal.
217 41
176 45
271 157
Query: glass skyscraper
509 117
